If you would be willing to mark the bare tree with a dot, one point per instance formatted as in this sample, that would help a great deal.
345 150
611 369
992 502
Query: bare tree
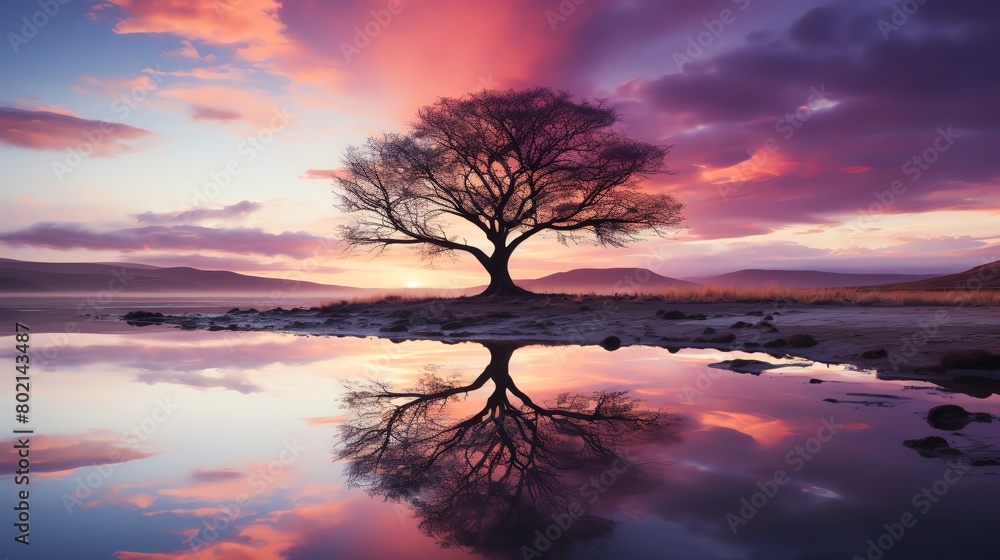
488 479
512 164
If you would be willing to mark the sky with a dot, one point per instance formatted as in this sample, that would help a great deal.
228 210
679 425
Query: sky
840 136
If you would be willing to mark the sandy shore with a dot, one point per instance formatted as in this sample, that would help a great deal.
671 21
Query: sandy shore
896 342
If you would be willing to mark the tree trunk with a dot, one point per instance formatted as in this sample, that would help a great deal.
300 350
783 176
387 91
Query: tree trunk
501 284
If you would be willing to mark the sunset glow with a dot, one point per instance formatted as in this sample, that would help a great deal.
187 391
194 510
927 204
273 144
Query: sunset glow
204 133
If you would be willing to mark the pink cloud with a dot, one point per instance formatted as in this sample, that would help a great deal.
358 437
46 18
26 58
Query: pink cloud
226 104
252 27
318 174
200 113
324 420
186 50
47 130
133 87
60 455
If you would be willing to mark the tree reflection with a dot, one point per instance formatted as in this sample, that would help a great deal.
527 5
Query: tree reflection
498 478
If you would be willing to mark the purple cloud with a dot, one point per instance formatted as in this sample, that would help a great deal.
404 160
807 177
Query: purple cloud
235 211
254 241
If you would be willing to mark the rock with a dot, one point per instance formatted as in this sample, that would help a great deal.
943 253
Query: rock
741 325
453 325
585 308
952 417
929 442
776 343
801 341
874 354
398 327
672 315
765 326
233 327
697 317
214 328
769 318
233 310
756 313
143 315
724 337
708 330
815 381
611 343
751 344
971 359
143 318
252 310
932 446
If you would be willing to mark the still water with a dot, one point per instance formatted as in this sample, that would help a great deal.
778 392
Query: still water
156 443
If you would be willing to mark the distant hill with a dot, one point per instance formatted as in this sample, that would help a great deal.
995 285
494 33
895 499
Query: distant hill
803 279
603 280
35 277
984 276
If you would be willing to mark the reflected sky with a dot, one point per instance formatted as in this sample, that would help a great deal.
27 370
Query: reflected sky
162 443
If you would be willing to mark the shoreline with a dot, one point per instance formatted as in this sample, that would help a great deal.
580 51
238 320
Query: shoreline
958 346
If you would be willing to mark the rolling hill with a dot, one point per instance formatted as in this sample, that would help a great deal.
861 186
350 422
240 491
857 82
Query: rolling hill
36 277
984 276
603 280
803 279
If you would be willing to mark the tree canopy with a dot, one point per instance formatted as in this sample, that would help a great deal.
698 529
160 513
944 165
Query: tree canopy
512 164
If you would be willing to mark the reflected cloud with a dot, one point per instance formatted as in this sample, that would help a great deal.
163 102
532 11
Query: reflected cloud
58 455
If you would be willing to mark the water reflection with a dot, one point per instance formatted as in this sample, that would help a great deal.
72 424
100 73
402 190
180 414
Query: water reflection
507 473
175 488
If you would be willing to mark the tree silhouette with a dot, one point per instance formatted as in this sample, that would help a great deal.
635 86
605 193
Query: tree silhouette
512 164
495 479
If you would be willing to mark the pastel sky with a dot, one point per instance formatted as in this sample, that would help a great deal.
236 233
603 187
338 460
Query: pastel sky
842 136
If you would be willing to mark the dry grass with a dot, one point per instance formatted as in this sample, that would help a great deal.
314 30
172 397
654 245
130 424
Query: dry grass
829 296
720 294
376 298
